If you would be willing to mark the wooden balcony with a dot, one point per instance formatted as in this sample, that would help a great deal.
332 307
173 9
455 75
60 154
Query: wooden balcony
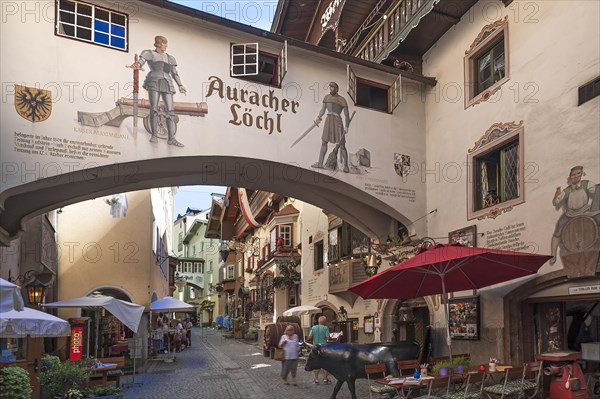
344 275
410 27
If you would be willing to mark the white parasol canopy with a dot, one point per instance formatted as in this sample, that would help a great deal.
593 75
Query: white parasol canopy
128 313
170 304
16 324
10 297
302 310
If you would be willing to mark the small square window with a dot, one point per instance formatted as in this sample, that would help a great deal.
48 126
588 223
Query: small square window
92 24
496 172
486 63
249 63
374 95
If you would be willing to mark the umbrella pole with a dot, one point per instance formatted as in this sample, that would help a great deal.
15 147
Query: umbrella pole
447 319
97 333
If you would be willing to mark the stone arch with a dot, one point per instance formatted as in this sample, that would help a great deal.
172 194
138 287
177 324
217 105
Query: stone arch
19 204
114 291
323 304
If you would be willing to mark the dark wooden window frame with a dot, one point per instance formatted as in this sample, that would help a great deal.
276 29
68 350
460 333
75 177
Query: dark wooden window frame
487 39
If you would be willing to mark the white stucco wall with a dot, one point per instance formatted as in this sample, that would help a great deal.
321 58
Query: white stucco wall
548 62
90 78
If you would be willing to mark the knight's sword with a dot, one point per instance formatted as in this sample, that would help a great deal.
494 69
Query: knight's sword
314 125
136 90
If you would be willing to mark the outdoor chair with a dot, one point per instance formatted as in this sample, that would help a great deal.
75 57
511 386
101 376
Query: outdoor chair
437 388
378 370
473 387
531 386
510 386
408 367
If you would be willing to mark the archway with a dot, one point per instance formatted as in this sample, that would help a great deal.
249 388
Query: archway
371 215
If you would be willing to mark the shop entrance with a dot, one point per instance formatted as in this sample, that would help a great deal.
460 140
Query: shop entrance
565 323
112 334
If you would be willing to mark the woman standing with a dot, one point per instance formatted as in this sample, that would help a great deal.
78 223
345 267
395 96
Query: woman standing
290 345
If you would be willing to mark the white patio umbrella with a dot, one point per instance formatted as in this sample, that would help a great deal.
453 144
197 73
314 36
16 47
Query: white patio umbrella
10 297
302 310
170 304
128 313
17 324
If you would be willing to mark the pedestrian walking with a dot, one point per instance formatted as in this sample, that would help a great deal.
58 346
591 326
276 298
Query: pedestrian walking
289 342
188 329
319 335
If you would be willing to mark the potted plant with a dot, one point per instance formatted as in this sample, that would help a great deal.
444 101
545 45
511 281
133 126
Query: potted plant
460 364
251 334
14 383
442 367
57 378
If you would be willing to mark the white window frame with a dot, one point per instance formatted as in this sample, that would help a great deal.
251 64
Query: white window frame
496 137
230 272
248 59
59 31
394 91
285 231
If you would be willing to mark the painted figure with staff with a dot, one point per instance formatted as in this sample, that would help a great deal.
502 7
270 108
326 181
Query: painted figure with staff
334 129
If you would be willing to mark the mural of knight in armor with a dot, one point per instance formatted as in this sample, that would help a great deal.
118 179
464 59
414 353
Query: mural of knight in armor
577 227
159 84
334 129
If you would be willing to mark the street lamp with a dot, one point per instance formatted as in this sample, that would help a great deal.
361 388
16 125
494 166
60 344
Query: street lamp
224 251
180 282
405 314
36 290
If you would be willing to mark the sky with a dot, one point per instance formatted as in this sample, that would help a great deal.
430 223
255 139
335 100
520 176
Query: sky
258 14
254 13
198 197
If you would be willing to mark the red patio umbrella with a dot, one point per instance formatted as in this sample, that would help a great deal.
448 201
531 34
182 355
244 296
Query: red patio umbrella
446 268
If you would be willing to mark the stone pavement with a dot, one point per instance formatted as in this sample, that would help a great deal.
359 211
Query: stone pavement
216 367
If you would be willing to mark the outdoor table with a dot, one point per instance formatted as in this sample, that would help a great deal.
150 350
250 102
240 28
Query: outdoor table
409 383
104 369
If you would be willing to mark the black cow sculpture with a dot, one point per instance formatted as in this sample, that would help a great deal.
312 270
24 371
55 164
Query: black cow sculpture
346 362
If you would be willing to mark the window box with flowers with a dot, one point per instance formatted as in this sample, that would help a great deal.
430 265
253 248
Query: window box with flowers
263 306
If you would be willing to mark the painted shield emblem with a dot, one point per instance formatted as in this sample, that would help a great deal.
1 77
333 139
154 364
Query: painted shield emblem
33 104
402 164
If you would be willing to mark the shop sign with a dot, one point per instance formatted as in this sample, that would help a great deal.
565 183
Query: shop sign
334 9
587 289
76 343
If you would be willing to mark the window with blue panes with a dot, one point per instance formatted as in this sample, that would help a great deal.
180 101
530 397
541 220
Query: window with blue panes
90 23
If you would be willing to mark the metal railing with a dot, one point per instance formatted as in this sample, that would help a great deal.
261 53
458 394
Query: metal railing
390 29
